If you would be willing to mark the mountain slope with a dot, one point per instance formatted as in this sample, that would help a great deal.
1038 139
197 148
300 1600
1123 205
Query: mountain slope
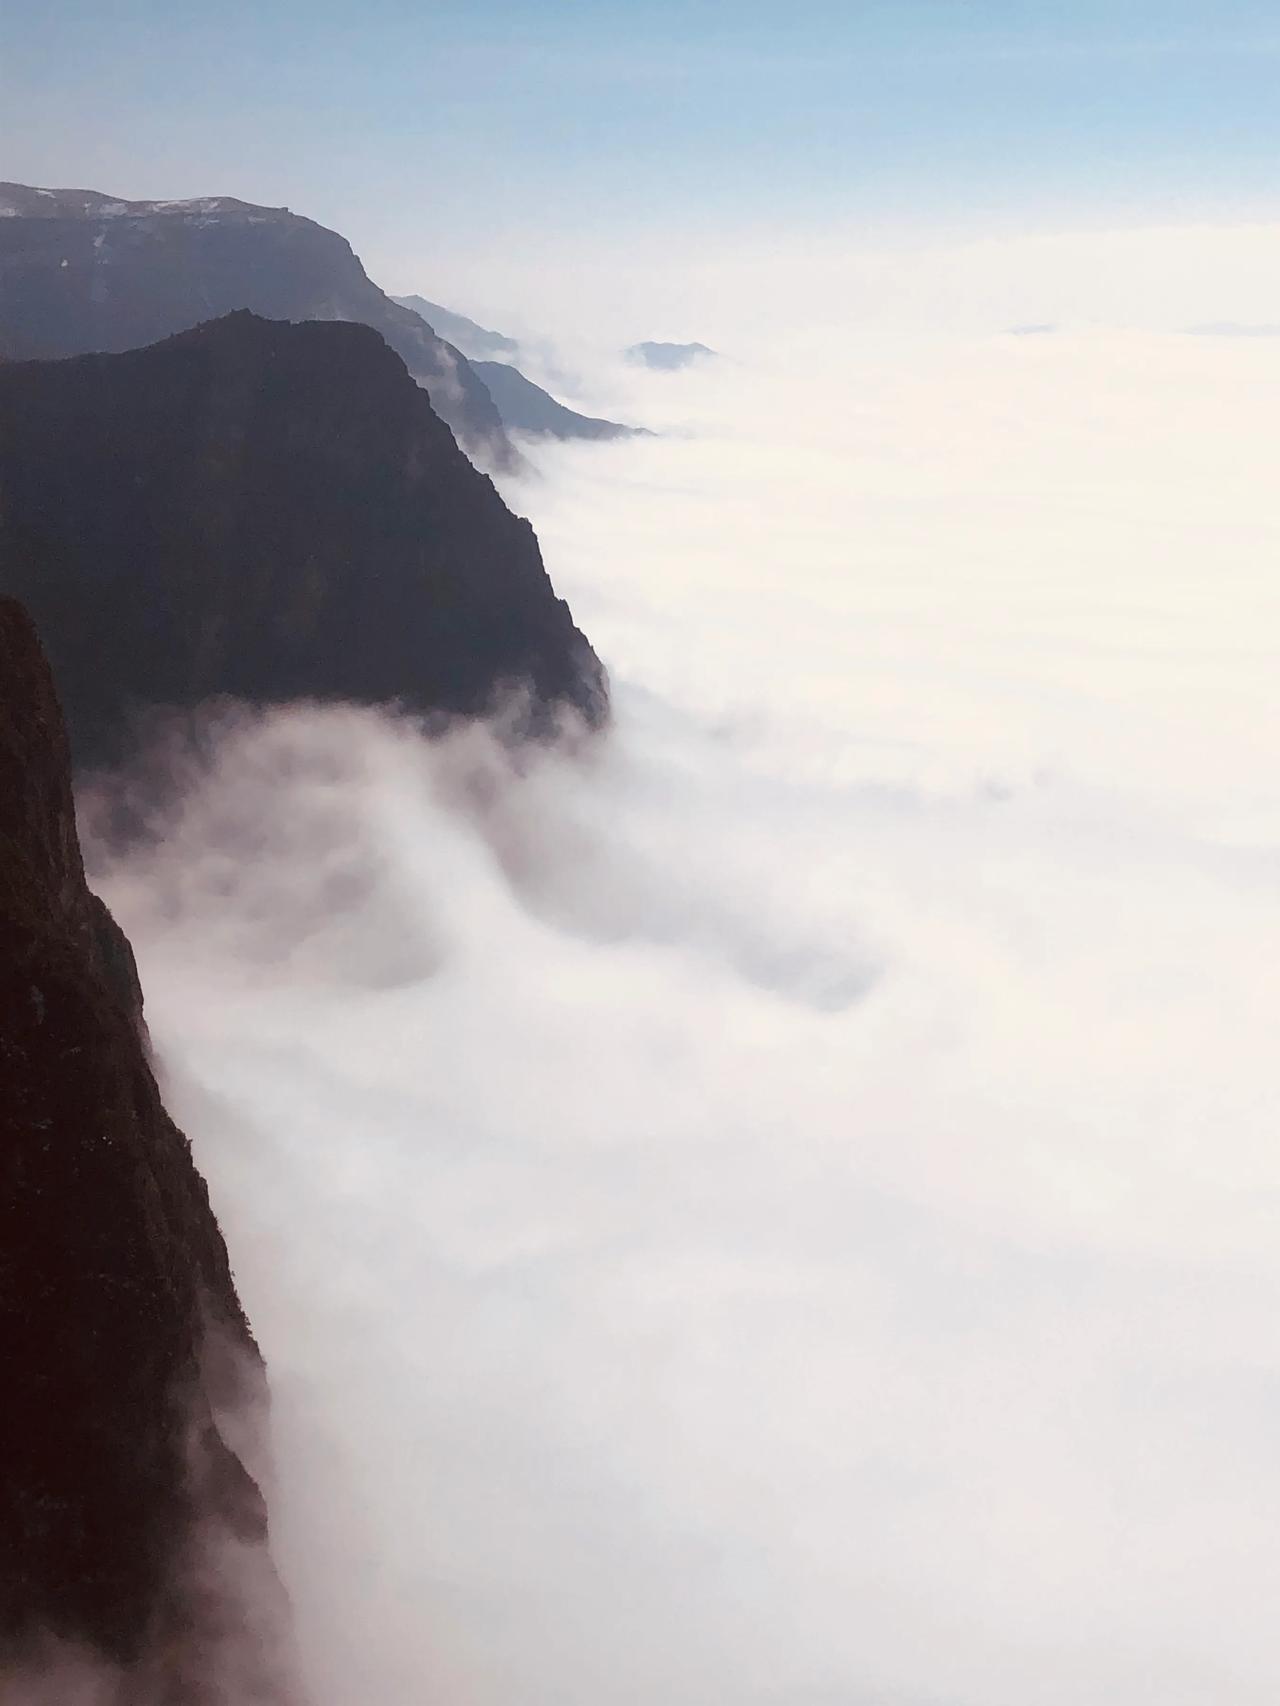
523 406
81 271
272 512
476 342
526 407
129 1528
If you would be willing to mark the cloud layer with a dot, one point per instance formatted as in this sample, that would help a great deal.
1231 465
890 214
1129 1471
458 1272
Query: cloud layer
781 1206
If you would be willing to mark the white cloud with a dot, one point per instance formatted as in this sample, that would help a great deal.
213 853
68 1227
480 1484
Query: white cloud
738 289
782 1206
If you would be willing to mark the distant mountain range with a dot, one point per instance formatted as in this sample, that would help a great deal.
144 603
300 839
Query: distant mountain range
272 512
81 271
524 406
477 343
667 357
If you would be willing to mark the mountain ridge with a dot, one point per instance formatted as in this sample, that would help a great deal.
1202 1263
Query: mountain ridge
82 272
526 407
268 511
477 342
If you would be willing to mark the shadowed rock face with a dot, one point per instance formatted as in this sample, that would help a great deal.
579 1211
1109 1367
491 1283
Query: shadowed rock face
125 1350
81 271
268 512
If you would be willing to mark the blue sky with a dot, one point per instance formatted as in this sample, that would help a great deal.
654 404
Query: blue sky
681 115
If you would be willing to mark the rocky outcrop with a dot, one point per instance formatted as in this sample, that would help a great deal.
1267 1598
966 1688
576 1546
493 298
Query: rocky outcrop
269 512
132 1536
81 271
526 407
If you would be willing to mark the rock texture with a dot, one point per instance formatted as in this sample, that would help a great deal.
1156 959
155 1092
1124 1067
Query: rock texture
269 512
129 1528
81 271
526 407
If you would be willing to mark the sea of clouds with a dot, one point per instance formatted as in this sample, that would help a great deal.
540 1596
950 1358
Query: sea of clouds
778 1206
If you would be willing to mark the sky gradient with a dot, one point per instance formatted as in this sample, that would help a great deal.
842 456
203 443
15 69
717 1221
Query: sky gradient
505 118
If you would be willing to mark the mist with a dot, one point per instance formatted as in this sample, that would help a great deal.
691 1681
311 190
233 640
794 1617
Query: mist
778 1203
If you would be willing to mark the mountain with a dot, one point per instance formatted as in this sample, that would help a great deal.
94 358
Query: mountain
477 343
81 271
667 357
131 1528
523 406
526 407
271 512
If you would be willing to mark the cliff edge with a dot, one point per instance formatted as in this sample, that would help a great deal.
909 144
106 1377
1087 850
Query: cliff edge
132 1535
268 512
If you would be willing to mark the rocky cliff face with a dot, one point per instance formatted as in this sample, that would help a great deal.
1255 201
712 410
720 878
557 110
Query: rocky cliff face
81 271
269 512
131 1533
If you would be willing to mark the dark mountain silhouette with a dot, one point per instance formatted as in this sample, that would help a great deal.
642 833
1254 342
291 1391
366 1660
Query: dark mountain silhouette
668 357
129 1527
270 512
526 407
81 271
477 343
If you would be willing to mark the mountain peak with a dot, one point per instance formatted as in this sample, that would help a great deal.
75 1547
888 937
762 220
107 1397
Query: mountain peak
667 357
27 201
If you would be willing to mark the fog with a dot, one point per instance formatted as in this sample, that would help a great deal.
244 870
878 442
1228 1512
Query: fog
779 1203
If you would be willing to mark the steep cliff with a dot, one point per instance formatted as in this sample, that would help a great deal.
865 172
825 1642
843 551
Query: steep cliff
130 1531
81 271
270 512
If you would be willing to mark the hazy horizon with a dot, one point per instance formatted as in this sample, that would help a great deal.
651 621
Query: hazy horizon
498 156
